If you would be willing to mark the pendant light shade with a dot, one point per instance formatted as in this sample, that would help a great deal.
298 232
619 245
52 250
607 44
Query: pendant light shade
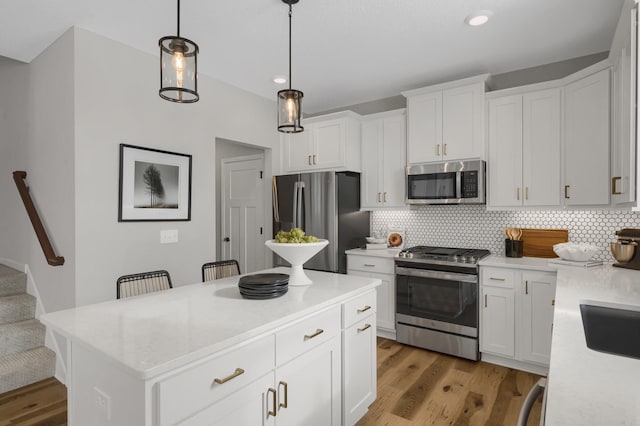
290 100
178 68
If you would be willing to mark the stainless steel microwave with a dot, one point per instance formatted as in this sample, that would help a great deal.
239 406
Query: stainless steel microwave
455 182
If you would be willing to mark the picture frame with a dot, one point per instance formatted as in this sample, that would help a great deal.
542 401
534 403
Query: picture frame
155 185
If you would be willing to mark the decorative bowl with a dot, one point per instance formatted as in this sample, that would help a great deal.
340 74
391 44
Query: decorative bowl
575 251
297 255
623 252
374 240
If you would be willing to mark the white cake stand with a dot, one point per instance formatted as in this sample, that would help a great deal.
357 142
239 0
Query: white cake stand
297 255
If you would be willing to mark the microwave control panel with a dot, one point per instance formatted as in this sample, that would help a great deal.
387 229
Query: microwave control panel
469 184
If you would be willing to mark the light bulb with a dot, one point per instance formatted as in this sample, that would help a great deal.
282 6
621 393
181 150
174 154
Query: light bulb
178 64
291 110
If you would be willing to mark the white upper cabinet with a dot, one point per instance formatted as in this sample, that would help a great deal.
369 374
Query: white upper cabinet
524 149
330 142
383 160
444 122
586 140
623 144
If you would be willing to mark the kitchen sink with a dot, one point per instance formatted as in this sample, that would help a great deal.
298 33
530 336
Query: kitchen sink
610 328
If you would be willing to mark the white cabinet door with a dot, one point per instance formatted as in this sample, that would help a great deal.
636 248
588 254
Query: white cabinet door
505 152
329 143
394 161
372 160
462 122
310 387
541 148
537 295
359 369
424 134
248 406
623 146
586 140
497 330
297 151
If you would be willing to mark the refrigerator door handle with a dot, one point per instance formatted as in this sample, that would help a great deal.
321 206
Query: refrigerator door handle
295 204
300 219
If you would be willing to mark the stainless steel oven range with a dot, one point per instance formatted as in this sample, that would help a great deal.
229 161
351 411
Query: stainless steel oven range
437 299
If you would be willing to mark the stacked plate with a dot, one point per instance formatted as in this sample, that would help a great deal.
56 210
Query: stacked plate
263 286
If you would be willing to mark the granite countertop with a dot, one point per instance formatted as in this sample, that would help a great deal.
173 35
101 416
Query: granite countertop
155 333
587 387
391 252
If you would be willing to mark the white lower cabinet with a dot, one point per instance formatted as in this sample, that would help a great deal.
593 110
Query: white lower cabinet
359 358
383 269
516 317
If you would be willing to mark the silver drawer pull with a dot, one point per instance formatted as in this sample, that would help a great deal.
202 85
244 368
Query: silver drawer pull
369 265
365 309
317 333
360 330
496 279
238 372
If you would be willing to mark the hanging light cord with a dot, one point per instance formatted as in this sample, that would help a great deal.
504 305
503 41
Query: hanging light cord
178 18
290 13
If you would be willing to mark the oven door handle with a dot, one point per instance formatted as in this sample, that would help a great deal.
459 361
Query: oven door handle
441 275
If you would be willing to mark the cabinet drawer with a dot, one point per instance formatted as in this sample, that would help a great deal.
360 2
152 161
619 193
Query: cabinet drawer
306 334
498 277
358 308
193 389
381 265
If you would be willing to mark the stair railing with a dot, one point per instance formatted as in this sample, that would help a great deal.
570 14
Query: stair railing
41 233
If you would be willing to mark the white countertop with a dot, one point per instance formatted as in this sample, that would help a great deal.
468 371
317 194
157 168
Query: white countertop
587 387
376 253
534 263
157 332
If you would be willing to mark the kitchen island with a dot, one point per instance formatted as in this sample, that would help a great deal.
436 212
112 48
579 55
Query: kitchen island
202 354
587 387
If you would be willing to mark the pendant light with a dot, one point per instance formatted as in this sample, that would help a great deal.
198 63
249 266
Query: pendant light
290 100
178 68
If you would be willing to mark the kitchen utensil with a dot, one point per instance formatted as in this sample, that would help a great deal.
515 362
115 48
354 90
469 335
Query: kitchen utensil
540 242
623 252
518 233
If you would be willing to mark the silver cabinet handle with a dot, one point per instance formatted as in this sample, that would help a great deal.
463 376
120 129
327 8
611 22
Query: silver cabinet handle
366 326
318 332
496 279
235 374
365 309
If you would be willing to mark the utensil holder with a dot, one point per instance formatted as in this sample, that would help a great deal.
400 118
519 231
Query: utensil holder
513 248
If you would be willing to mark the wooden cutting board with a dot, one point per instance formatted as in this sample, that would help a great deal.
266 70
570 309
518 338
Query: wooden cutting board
539 242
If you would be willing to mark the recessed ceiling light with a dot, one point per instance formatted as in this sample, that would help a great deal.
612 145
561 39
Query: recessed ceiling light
279 79
478 18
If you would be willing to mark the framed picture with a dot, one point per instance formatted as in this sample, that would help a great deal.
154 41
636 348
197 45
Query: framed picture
154 185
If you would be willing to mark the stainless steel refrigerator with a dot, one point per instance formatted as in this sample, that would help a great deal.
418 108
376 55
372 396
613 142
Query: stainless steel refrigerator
326 205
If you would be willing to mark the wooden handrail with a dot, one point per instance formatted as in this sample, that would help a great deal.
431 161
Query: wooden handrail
43 238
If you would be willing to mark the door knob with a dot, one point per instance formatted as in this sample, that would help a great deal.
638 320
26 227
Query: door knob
226 239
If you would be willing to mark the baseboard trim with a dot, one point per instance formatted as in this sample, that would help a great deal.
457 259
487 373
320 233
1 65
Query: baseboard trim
387 334
13 264
518 365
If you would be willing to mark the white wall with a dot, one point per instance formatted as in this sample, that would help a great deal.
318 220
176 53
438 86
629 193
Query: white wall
117 102
49 164
13 134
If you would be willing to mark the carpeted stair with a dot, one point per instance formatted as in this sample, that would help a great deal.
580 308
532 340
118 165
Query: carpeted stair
23 357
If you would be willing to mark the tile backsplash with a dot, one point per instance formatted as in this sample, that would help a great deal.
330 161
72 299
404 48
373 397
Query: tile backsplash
474 227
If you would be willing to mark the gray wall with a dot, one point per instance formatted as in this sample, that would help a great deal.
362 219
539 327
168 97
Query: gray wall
228 149
506 80
121 105
13 134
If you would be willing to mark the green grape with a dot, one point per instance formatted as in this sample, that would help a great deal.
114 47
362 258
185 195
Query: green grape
295 236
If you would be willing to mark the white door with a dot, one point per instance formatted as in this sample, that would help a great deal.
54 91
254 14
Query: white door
424 128
371 179
462 122
329 139
243 211
394 160
538 294
497 328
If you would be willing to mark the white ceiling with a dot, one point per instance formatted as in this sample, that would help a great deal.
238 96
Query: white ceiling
345 52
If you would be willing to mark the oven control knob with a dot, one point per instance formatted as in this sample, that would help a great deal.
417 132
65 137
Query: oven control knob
402 254
409 255
464 259
473 259
454 258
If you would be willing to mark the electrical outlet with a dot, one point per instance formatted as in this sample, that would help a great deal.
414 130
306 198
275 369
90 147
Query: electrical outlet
103 404
168 236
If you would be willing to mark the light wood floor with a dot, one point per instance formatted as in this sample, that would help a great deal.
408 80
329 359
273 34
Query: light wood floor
419 387
43 403
415 387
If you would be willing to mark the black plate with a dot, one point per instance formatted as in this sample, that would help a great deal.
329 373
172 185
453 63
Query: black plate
263 297
264 287
262 279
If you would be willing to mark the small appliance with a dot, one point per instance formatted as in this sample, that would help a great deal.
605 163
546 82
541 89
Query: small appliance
456 182
625 250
